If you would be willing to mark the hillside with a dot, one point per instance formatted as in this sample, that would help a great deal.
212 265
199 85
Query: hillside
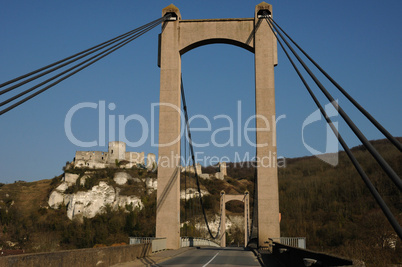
328 205
332 207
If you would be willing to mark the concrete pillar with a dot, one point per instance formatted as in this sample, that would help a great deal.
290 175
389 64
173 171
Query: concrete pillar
168 193
223 219
267 185
192 34
246 217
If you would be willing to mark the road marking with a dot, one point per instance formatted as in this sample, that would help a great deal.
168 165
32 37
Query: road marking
211 260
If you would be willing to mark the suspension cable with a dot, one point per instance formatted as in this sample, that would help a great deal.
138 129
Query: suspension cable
384 165
72 68
94 59
185 184
91 51
194 164
387 212
255 204
391 138
75 55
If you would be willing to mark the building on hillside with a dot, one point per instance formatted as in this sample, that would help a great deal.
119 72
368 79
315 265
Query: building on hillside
116 156
190 169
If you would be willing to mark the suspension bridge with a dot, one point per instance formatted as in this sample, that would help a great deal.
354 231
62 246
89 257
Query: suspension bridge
259 35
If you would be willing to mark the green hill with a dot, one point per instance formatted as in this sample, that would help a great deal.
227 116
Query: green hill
332 207
329 205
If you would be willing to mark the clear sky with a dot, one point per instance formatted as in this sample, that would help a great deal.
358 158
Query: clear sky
358 42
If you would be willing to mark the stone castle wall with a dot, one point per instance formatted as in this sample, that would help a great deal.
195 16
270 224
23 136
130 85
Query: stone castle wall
116 154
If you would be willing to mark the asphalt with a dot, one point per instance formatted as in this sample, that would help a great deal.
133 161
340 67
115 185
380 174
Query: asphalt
155 258
233 256
200 256
212 256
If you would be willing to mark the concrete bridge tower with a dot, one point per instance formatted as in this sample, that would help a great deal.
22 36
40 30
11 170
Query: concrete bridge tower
178 37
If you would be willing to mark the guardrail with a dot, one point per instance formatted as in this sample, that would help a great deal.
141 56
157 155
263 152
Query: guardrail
158 244
104 256
140 240
297 242
195 242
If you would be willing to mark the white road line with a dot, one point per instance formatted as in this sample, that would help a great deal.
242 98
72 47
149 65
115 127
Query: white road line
211 260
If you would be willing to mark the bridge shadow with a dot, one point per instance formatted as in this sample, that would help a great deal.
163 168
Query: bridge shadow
226 248
252 34
148 262
283 255
167 189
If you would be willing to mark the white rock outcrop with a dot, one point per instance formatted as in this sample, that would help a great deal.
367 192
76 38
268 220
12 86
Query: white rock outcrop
151 162
62 187
70 178
192 193
121 178
204 176
151 184
123 201
232 222
86 175
213 224
57 197
92 202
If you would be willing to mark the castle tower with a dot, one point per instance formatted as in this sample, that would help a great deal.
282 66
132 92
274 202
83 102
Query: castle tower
222 168
117 151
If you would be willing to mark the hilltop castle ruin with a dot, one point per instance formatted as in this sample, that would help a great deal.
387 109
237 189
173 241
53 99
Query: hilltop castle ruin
116 156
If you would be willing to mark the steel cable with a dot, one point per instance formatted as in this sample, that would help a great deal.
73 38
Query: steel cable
384 165
391 138
194 164
94 59
68 70
87 51
254 216
387 212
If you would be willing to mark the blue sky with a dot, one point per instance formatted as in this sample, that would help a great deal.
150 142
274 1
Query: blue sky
357 42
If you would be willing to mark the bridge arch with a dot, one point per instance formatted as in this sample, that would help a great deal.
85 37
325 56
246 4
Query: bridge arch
216 41
245 198
178 37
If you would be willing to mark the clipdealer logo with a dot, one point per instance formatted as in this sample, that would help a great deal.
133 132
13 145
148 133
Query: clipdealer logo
233 127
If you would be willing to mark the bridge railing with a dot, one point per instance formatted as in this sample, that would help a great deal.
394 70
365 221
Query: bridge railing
297 242
158 244
140 240
195 242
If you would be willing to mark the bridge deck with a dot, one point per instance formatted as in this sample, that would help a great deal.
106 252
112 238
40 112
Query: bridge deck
201 256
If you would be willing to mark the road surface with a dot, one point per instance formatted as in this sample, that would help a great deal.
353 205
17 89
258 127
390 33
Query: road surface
208 256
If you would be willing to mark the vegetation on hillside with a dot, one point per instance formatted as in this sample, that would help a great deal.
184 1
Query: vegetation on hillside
329 205
28 222
334 210
191 211
93 177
